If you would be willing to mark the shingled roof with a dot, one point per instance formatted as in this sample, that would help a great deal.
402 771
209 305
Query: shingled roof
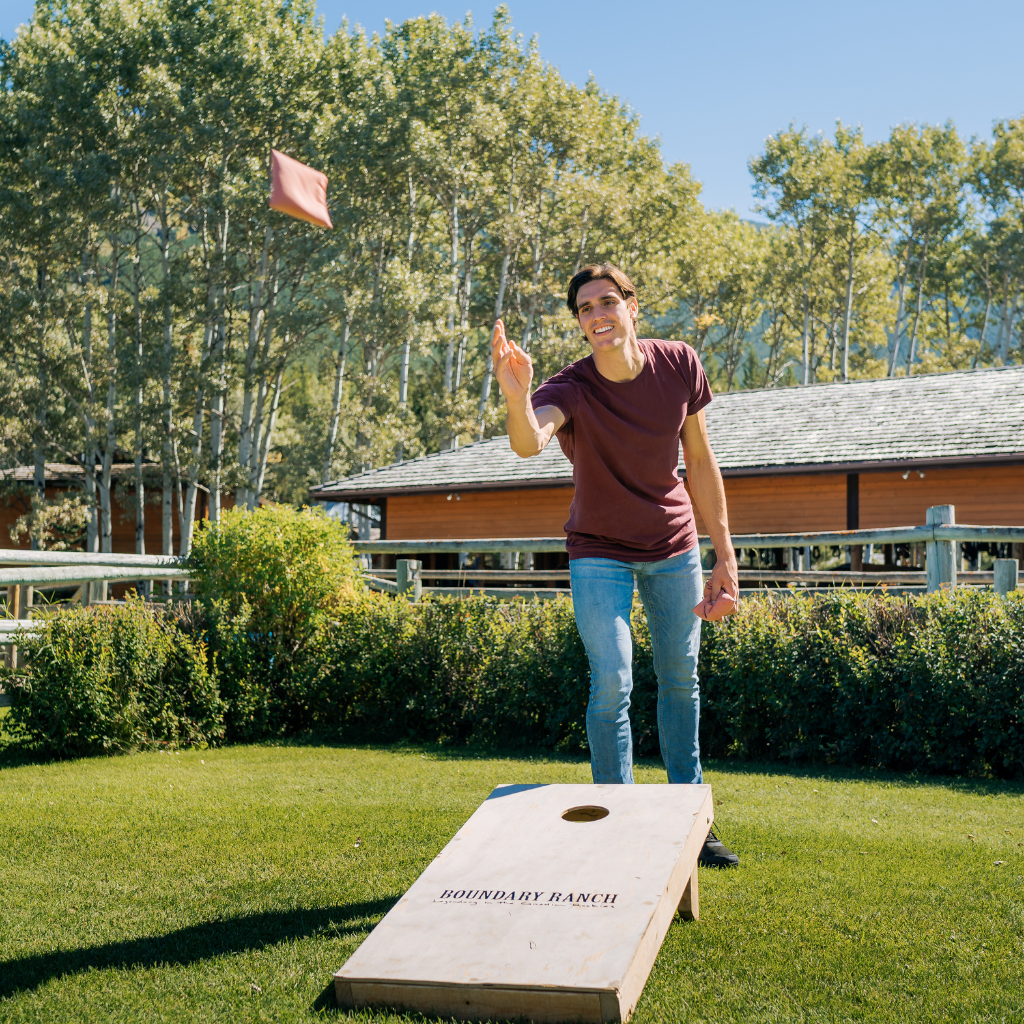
894 422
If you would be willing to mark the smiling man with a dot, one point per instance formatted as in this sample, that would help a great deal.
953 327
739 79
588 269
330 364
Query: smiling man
619 415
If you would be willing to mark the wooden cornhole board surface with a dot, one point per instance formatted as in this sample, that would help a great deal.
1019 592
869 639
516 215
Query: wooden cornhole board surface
526 914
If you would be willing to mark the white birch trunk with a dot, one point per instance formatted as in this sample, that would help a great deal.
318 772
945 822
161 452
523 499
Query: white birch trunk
256 318
258 489
848 307
499 305
454 300
917 309
339 382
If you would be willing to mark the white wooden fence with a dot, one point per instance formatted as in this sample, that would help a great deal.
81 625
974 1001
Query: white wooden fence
23 572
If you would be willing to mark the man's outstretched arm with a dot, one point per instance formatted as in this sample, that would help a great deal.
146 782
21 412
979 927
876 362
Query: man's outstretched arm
529 429
705 482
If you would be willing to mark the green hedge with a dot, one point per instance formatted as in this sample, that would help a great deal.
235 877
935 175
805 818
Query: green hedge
934 683
111 679
268 584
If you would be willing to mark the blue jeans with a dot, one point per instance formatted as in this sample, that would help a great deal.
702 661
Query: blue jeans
602 596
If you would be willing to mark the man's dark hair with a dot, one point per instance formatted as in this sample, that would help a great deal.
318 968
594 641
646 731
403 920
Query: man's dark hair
598 272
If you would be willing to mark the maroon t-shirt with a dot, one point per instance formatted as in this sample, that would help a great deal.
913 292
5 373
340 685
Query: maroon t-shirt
622 439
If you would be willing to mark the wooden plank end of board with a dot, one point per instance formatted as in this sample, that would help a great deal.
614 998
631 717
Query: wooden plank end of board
612 1011
343 994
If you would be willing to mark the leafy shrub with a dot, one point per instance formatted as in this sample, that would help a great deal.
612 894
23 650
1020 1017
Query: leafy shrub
111 679
933 683
269 582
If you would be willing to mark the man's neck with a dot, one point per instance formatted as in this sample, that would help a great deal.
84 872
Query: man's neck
622 363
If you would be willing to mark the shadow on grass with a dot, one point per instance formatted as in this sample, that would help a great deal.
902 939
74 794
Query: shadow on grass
14 754
192 944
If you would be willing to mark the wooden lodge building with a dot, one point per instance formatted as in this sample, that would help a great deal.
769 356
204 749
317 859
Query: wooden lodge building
16 499
862 454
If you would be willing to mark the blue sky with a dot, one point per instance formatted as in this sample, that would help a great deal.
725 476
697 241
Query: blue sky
714 79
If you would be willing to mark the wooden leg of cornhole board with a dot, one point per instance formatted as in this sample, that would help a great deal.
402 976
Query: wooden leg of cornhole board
689 905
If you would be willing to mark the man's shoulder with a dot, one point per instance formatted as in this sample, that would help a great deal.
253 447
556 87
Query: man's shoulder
671 349
575 373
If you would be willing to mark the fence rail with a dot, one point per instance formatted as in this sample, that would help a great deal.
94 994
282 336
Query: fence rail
15 556
73 576
907 577
841 538
20 569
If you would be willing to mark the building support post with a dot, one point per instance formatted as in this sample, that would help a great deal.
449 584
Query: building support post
1004 575
407 576
940 557
853 519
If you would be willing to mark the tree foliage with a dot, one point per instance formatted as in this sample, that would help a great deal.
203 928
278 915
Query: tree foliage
155 312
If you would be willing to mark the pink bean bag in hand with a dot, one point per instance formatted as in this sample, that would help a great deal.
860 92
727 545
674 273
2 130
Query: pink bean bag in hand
298 190
724 604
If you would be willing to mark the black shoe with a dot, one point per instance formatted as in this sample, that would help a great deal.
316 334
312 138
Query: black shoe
714 855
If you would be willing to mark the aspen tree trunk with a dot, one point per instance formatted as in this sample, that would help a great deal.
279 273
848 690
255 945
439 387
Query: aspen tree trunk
258 489
848 310
217 422
220 387
984 327
806 338
403 372
339 382
257 315
1007 335
166 453
917 310
213 321
536 271
140 494
192 490
467 285
900 312
39 428
92 533
107 459
454 301
499 304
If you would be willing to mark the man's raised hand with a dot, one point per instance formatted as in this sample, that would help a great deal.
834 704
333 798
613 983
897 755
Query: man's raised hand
513 368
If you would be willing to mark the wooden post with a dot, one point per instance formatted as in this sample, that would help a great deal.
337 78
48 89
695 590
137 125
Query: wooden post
407 575
14 612
689 906
1004 575
940 557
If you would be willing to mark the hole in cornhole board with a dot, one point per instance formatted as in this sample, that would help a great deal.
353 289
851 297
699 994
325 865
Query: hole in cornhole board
590 812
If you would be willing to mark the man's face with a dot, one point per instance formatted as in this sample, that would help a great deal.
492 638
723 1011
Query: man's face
605 316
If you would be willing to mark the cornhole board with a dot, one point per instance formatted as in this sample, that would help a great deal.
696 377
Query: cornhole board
549 904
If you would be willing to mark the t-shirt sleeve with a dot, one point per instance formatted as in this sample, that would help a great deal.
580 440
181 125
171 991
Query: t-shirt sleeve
696 379
560 391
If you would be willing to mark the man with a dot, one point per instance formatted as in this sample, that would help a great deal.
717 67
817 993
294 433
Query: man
619 415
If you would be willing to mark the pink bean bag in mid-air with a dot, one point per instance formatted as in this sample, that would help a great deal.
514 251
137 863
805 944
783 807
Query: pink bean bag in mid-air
298 190
724 604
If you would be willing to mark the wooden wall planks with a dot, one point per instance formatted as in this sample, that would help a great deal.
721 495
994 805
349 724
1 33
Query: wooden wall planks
532 512
795 503
983 496
785 504
122 517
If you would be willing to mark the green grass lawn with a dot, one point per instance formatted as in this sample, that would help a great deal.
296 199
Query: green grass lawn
226 885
